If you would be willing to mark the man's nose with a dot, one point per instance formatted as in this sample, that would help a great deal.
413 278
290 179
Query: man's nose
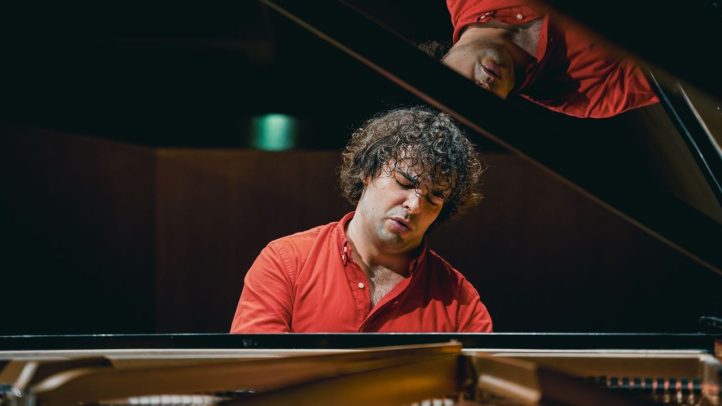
413 202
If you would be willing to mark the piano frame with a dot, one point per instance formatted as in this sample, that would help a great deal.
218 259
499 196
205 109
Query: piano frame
277 368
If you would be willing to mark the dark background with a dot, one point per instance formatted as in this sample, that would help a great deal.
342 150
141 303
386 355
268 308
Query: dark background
132 201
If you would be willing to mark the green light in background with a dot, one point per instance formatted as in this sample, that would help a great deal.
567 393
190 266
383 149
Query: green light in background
273 132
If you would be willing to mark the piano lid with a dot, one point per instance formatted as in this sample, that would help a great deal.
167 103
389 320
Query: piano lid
658 167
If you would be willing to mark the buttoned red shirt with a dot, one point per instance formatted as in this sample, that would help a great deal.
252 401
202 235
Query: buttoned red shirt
572 73
308 282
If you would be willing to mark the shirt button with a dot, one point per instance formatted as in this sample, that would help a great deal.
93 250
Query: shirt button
361 285
519 16
486 16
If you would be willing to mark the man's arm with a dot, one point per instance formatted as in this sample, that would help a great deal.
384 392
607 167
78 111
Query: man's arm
266 303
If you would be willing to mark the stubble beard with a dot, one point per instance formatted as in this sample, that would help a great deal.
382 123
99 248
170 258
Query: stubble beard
390 241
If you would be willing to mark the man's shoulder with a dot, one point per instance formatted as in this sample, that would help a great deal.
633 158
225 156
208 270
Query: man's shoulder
443 268
445 275
439 261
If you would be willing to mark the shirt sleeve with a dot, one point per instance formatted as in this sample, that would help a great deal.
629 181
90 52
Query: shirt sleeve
266 302
473 315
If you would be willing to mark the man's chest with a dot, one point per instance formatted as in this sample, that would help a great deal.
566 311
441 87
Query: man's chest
342 302
381 282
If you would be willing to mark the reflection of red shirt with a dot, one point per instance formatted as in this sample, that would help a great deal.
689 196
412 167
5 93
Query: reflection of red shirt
573 75
307 282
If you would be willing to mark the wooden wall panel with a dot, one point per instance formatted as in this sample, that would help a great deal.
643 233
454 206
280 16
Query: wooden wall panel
76 215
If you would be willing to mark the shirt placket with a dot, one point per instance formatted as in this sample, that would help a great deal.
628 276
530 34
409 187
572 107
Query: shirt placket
358 285
514 15
389 301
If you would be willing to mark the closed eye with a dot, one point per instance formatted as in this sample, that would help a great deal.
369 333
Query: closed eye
405 180
434 199
405 185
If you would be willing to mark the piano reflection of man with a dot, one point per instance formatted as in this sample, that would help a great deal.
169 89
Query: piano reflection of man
509 47
407 171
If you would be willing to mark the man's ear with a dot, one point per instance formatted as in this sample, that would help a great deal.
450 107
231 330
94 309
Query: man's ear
365 181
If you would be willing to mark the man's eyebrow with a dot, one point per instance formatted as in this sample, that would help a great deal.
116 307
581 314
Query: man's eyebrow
438 192
408 177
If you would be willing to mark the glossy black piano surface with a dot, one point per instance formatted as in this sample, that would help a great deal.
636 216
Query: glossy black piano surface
704 342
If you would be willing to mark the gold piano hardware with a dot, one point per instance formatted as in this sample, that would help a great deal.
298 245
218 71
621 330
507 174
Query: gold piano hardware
387 375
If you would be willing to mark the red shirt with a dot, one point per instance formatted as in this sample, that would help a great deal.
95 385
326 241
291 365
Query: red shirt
308 282
573 74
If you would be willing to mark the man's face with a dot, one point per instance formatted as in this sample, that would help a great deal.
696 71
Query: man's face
488 63
397 210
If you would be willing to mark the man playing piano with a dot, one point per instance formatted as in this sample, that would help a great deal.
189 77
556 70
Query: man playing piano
512 47
407 171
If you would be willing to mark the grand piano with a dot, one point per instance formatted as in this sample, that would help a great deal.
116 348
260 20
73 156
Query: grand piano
655 172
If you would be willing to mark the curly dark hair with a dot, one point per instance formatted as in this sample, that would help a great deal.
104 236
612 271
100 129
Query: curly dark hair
428 141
